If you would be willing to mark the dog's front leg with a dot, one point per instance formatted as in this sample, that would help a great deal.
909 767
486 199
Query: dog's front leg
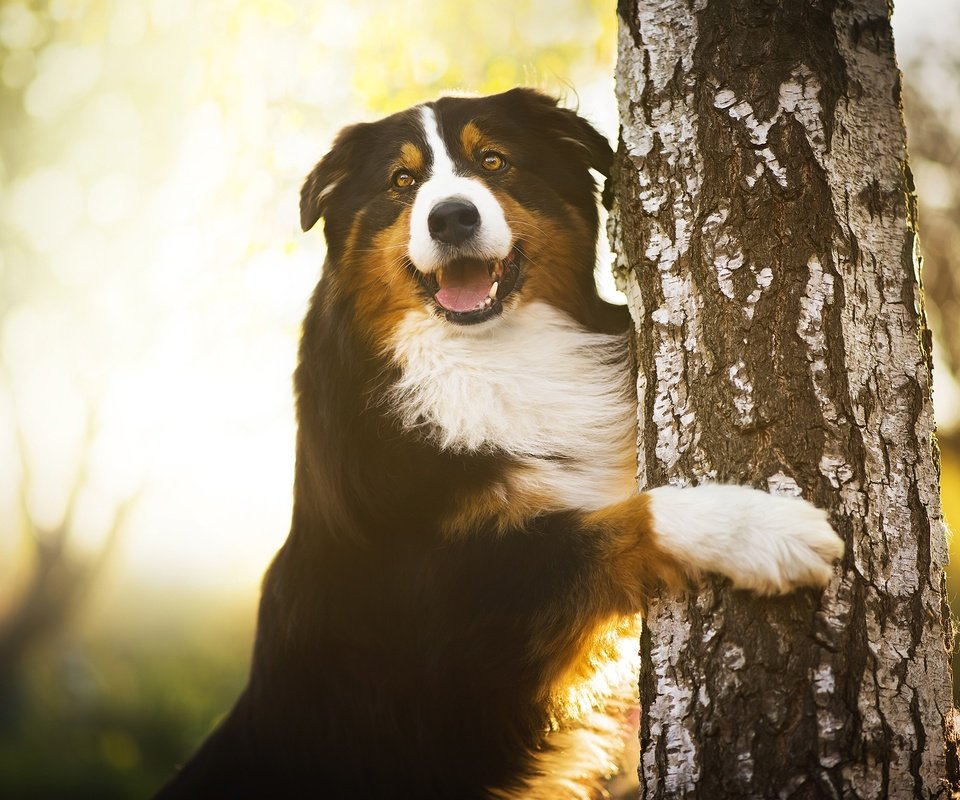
766 543
620 556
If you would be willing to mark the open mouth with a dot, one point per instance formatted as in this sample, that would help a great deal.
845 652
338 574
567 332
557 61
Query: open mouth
470 290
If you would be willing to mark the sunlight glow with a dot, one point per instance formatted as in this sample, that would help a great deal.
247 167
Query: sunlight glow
154 276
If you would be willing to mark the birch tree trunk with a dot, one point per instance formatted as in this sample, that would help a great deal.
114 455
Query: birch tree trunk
766 237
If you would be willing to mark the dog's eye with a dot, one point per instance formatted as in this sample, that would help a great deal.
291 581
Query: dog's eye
493 161
403 179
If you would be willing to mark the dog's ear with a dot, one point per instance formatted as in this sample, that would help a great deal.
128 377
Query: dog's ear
326 176
569 128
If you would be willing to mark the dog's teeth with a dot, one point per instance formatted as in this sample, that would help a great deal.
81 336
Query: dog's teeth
488 302
493 291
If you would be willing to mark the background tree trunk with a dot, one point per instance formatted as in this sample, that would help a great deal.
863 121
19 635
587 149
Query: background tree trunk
765 232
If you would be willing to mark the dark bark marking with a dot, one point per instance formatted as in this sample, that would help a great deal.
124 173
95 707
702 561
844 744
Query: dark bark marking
628 13
752 47
873 33
879 201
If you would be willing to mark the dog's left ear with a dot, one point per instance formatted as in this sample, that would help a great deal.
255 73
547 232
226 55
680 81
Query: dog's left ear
585 141
326 177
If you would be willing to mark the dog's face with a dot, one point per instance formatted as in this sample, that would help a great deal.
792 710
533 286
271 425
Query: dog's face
465 207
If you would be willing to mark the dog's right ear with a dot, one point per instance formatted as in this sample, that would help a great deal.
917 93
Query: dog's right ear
566 127
325 177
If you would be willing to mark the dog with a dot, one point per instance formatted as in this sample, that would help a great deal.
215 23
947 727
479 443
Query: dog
468 548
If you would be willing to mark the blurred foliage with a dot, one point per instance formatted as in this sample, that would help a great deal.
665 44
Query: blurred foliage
151 264
950 493
933 122
531 42
931 102
106 710
151 272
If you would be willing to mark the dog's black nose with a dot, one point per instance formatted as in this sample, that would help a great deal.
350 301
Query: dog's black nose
453 221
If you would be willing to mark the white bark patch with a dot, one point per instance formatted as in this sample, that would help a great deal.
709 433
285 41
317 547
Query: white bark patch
745 767
763 277
835 469
829 726
798 97
670 23
723 250
637 139
720 248
757 130
666 198
726 265
677 319
743 393
670 718
817 296
754 176
780 483
627 283
733 657
884 367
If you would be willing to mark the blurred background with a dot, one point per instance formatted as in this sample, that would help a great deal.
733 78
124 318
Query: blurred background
152 282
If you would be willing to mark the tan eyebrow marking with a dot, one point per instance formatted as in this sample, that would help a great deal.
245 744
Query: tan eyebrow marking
471 138
411 157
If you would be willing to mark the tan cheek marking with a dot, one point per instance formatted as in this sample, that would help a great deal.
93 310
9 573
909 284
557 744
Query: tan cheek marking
383 289
411 158
560 255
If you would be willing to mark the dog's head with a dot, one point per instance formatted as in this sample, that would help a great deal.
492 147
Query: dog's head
467 206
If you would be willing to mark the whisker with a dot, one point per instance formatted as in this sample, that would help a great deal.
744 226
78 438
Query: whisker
525 224
402 246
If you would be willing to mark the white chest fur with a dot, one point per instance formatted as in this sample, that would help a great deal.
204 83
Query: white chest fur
533 385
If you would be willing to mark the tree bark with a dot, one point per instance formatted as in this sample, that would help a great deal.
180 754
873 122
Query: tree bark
766 237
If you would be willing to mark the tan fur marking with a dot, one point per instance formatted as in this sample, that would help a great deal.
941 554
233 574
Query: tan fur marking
592 653
636 565
590 679
472 139
501 504
382 289
556 251
588 650
631 568
411 158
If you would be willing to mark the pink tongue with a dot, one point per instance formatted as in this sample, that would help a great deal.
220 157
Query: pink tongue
464 286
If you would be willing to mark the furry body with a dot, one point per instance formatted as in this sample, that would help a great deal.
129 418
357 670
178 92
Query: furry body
467 545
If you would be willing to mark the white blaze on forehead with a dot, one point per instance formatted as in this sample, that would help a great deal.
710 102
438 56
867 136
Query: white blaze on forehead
493 238
442 165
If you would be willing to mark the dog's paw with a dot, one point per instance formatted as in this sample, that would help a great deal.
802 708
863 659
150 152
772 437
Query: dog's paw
787 542
766 543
